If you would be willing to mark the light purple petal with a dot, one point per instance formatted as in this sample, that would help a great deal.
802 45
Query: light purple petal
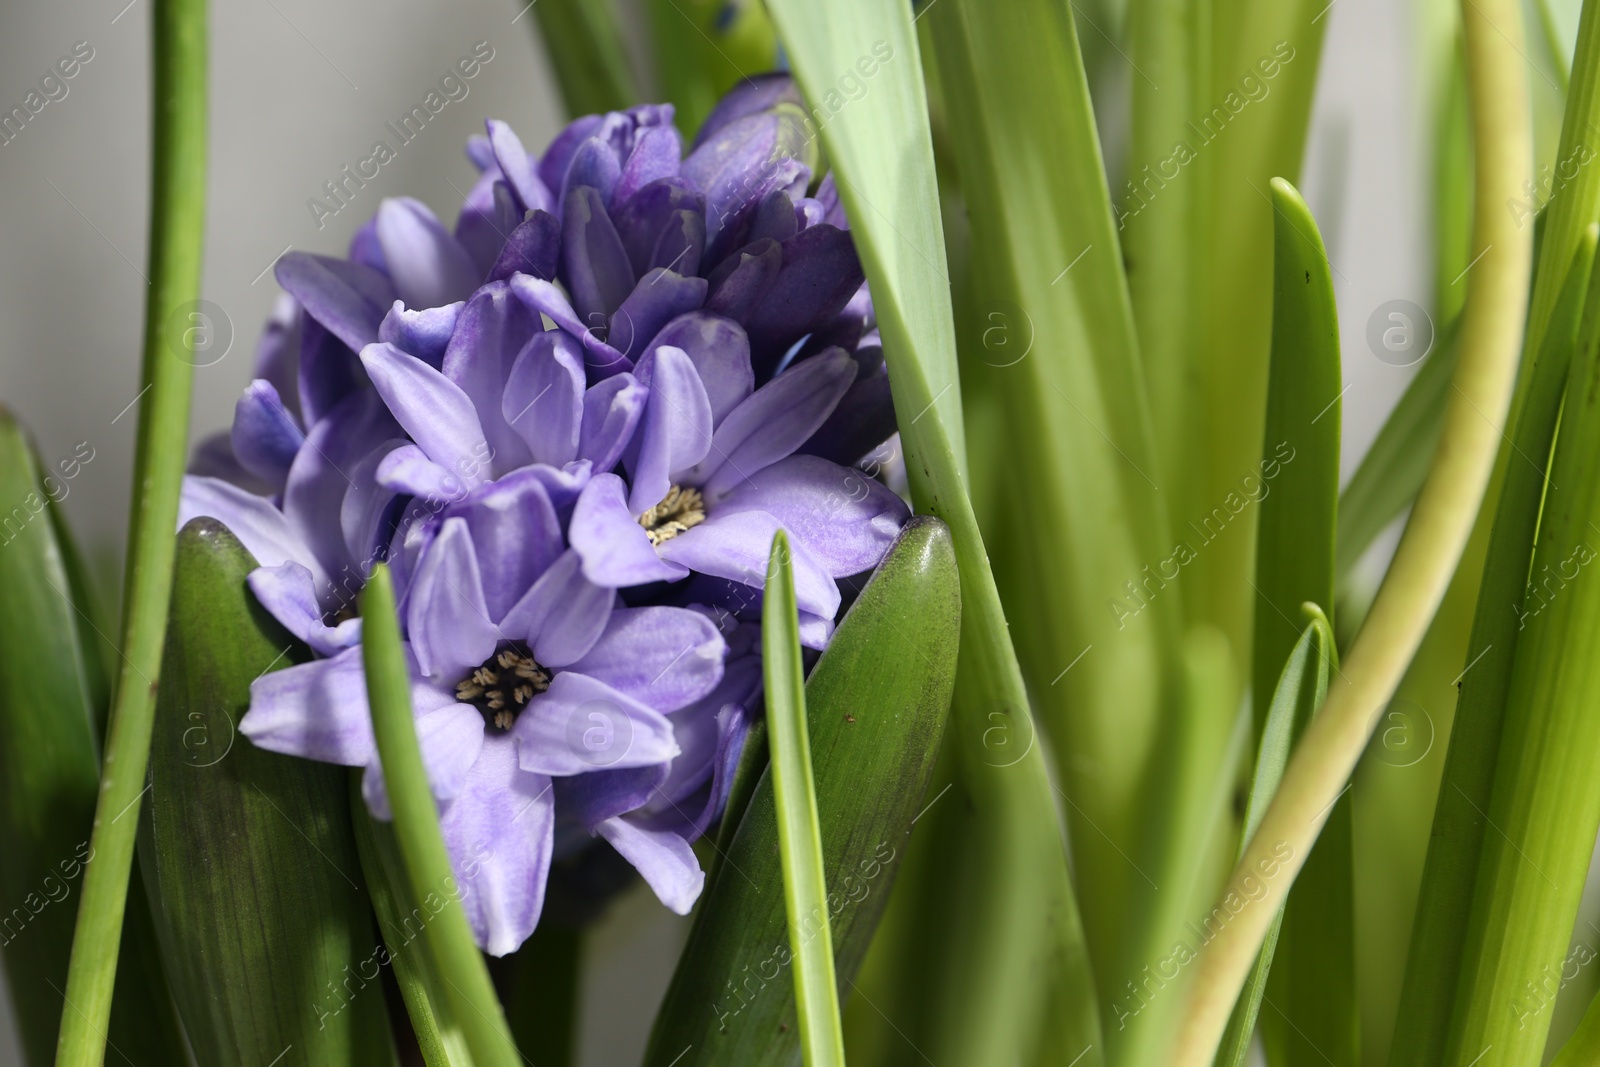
289 594
494 327
515 534
756 93
616 551
451 738
562 615
660 297
499 831
815 630
368 511
424 333
432 409
656 154
776 419
663 859
429 267
446 617
543 399
278 352
517 168
580 724
675 433
321 474
846 519
265 436
558 156
315 710
611 412
720 352
664 657
348 298
259 526
543 298
408 469
737 546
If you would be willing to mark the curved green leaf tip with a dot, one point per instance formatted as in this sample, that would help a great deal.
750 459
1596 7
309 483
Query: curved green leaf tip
805 883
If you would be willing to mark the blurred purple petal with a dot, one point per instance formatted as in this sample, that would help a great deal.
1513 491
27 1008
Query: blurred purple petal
429 267
530 193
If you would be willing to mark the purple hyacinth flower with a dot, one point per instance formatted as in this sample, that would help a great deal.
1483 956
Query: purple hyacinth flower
706 490
520 676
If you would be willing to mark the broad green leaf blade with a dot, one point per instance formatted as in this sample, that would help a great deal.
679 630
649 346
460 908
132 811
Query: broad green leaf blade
1313 986
48 770
401 919
583 41
805 880
877 702
1459 835
1047 342
177 215
1026 922
471 994
1300 690
702 49
250 856
540 985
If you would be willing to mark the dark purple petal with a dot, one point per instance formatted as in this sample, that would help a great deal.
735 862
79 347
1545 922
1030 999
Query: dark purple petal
348 298
660 297
543 400
741 280
663 859
563 615
534 247
600 795
777 419
558 157
820 274
366 249
515 535
720 352
499 831
846 519
808 211
369 509
656 154
675 433
581 724
289 594
737 546
594 264
408 469
641 220
423 333
435 411
258 525
756 93
322 471
611 412
664 657
329 372
774 218
446 617
863 420
278 352
616 551
265 436
487 219
739 165
429 267
493 328
528 191
681 244
828 197
451 738
595 166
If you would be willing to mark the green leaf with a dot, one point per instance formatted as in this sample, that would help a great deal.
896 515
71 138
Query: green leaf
250 856
1301 688
805 880
1582 1049
1312 990
177 214
401 920
704 47
461 969
876 704
1025 921
540 985
1457 842
48 769
583 41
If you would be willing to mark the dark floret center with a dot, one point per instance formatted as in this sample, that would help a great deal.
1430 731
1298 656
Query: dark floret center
503 684
681 509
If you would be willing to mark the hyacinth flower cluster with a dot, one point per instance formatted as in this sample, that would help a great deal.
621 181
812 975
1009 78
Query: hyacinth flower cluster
571 426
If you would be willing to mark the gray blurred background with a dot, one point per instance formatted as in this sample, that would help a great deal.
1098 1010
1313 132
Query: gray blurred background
300 89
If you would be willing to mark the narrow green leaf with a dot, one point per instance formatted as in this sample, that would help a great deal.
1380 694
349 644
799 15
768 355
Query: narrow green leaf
250 856
702 49
1301 688
401 920
805 881
48 773
876 705
1025 922
177 212
583 41
1459 835
471 994
1582 1049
